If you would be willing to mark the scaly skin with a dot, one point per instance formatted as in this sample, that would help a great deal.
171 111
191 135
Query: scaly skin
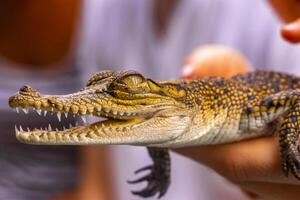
171 114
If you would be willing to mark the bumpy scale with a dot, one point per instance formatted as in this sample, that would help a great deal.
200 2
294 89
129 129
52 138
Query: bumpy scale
171 114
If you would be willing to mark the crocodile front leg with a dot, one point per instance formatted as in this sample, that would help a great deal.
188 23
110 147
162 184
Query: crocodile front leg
286 105
289 142
159 176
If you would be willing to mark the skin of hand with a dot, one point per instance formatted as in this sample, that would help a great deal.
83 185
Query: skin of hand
289 12
254 165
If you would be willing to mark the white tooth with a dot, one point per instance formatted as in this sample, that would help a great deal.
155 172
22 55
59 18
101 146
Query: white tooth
21 128
25 110
45 113
17 109
83 119
49 127
59 116
52 109
99 109
39 111
66 114
115 112
28 130
64 128
70 125
56 129
16 129
121 113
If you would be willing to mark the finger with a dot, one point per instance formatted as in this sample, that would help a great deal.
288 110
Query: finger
271 191
291 32
250 160
214 60
288 10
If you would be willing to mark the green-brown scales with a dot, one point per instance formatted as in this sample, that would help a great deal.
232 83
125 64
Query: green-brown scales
170 114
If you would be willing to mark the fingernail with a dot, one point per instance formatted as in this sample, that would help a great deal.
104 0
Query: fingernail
291 26
187 70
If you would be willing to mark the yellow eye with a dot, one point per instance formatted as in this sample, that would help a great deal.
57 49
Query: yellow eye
132 79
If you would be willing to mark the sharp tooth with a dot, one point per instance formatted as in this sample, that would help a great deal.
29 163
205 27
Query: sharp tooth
99 109
70 125
64 128
17 109
45 113
114 112
59 116
49 127
83 119
39 111
52 109
56 129
16 129
66 114
121 113
21 128
25 110
103 125
28 130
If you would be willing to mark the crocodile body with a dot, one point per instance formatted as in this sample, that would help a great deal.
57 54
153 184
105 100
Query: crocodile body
172 114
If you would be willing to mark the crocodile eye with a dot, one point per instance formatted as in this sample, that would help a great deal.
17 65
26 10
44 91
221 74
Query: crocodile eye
132 79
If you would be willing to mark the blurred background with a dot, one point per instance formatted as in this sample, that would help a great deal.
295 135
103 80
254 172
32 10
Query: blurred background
55 45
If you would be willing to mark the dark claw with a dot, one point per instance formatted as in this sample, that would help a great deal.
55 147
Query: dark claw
149 167
157 183
144 178
291 162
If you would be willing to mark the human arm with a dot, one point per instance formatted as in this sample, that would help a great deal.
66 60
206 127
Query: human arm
253 165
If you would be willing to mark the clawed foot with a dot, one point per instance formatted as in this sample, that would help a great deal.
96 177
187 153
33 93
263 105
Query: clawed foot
291 162
158 181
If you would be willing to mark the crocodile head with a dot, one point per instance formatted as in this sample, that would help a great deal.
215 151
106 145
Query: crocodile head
137 111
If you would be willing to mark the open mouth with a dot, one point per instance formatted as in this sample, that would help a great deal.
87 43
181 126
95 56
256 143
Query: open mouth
111 121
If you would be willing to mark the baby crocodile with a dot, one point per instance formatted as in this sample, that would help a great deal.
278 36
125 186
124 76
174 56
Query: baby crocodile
172 114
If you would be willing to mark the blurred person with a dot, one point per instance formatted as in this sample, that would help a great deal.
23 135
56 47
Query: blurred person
152 37
36 40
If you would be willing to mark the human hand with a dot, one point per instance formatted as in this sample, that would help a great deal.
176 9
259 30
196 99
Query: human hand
289 12
254 165
214 60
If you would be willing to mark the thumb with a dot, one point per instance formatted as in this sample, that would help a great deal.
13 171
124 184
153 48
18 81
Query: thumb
214 60
291 32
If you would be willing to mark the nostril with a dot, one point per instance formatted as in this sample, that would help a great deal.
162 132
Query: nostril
25 88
